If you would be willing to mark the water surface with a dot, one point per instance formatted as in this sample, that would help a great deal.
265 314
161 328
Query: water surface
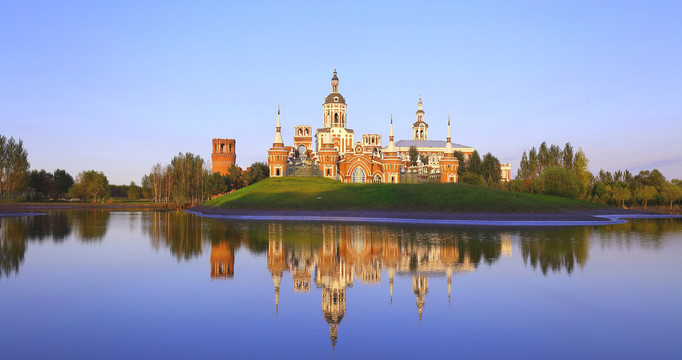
100 284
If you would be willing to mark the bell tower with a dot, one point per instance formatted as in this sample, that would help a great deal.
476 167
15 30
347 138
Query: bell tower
334 108
420 129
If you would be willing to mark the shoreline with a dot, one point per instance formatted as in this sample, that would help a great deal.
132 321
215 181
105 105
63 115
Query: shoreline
607 216
32 209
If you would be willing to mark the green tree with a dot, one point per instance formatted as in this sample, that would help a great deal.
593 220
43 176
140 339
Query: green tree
234 178
559 181
146 188
490 169
62 183
40 184
14 167
671 193
568 156
413 154
474 165
582 174
215 184
134 191
620 194
472 179
257 172
645 193
90 185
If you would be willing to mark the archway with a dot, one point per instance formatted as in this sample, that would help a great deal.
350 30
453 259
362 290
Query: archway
359 176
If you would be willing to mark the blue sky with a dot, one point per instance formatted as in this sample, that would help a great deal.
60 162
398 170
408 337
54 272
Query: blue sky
117 86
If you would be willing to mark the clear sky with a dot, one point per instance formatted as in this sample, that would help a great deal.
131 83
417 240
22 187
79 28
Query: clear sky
118 86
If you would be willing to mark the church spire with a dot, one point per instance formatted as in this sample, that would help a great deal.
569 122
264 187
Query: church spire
278 142
391 146
448 144
335 82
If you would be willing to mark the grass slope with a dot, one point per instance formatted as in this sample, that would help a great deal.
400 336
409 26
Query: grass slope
291 193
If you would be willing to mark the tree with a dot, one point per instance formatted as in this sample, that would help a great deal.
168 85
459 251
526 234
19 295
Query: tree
582 174
671 193
134 191
472 179
257 172
559 181
568 156
474 165
234 178
215 184
14 167
90 185
146 189
490 169
413 154
645 193
62 182
620 194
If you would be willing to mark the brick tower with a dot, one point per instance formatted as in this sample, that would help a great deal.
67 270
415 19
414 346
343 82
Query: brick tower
448 163
327 157
223 155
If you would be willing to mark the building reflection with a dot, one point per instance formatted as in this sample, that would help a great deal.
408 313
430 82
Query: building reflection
349 252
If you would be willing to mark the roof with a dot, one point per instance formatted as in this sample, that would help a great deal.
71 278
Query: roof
330 99
427 144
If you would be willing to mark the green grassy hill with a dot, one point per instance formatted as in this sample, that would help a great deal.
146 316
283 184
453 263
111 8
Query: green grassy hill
291 193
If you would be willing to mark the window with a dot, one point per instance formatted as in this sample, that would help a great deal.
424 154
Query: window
358 176
336 118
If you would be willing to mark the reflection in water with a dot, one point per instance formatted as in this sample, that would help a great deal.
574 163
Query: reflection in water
334 256
181 233
57 226
556 249
337 254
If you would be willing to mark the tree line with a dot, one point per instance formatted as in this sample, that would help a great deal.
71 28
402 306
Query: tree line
186 180
564 172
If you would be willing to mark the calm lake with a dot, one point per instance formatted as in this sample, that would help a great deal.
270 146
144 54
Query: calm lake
105 284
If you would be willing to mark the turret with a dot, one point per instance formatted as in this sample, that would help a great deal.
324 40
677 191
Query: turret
448 162
278 154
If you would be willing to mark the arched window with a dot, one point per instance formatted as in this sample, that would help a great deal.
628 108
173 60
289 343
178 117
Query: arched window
358 176
336 118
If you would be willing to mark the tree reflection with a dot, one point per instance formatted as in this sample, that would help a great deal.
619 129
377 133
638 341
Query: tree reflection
182 234
641 232
90 225
556 249
12 245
